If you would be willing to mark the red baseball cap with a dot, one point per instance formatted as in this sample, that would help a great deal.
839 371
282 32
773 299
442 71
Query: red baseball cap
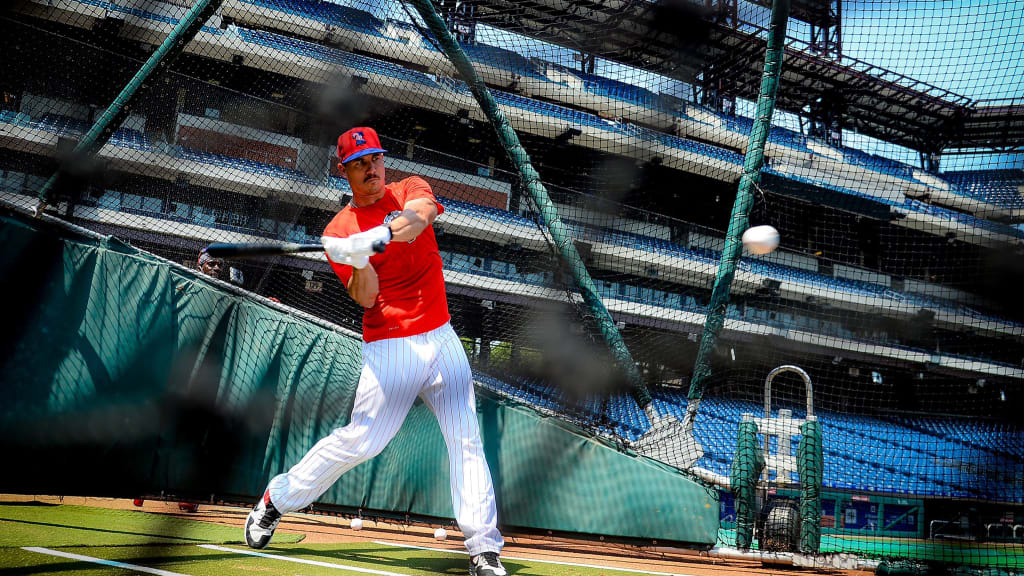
358 142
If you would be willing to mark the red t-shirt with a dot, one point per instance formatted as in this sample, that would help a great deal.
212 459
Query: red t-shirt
411 298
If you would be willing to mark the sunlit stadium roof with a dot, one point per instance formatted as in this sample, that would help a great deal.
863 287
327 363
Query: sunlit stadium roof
684 41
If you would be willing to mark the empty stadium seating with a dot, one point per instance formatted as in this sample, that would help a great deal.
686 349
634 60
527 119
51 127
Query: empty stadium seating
244 164
339 183
501 58
991 189
1001 438
909 205
878 163
332 55
997 194
620 91
553 110
862 453
71 127
131 139
74 128
996 187
614 89
327 12
967 220
710 257
63 125
134 139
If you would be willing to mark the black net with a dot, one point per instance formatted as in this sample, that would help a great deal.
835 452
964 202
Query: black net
893 174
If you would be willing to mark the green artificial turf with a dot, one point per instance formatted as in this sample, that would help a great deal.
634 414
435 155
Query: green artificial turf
172 544
196 561
49 525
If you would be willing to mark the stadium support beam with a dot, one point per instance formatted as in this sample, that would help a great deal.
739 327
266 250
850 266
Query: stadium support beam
559 233
100 132
740 217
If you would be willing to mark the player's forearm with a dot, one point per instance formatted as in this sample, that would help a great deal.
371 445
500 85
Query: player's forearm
364 286
414 219
407 227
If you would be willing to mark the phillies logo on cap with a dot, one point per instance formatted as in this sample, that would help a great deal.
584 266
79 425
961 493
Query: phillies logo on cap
358 142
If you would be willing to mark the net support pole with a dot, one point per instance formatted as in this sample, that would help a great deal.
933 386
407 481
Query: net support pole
98 135
521 160
747 465
810 460
739 220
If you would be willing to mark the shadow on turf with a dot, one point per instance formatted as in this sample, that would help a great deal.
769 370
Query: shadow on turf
107 531
150 561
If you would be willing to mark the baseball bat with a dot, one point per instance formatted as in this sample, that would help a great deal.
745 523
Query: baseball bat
258 249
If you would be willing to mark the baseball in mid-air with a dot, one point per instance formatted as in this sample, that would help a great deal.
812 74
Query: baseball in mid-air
440 534
761 239
357 523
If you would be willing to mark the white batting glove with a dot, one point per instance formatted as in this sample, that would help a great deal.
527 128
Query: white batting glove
362 243
359 262
340 251
356 261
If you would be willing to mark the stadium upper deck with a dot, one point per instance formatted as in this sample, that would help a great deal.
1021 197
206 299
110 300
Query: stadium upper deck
886 105
791 155
393 81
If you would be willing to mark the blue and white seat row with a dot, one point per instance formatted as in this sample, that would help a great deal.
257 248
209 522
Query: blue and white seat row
927 457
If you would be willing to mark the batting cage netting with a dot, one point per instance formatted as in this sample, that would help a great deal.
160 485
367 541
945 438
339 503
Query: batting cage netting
597 163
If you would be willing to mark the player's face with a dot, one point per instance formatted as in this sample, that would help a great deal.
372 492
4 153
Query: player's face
212 268
366 175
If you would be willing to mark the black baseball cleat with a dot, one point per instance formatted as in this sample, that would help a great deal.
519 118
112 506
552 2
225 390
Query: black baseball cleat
261 523
486 564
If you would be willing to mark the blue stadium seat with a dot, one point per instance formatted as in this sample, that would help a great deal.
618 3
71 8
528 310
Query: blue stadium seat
878 163
244 164
997 187
75 128
334 56
328 13
501 58
967 220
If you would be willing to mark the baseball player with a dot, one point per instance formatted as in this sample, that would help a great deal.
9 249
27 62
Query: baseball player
409 350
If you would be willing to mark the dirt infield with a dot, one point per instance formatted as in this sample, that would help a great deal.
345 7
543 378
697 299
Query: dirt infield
324 529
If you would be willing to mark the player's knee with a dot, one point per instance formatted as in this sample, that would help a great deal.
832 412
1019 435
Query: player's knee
359 442
464 445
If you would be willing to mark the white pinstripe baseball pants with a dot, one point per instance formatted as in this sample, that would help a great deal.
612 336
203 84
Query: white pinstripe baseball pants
433 366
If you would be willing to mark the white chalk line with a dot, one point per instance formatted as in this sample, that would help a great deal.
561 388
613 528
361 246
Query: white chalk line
102 561
517 559
302 561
